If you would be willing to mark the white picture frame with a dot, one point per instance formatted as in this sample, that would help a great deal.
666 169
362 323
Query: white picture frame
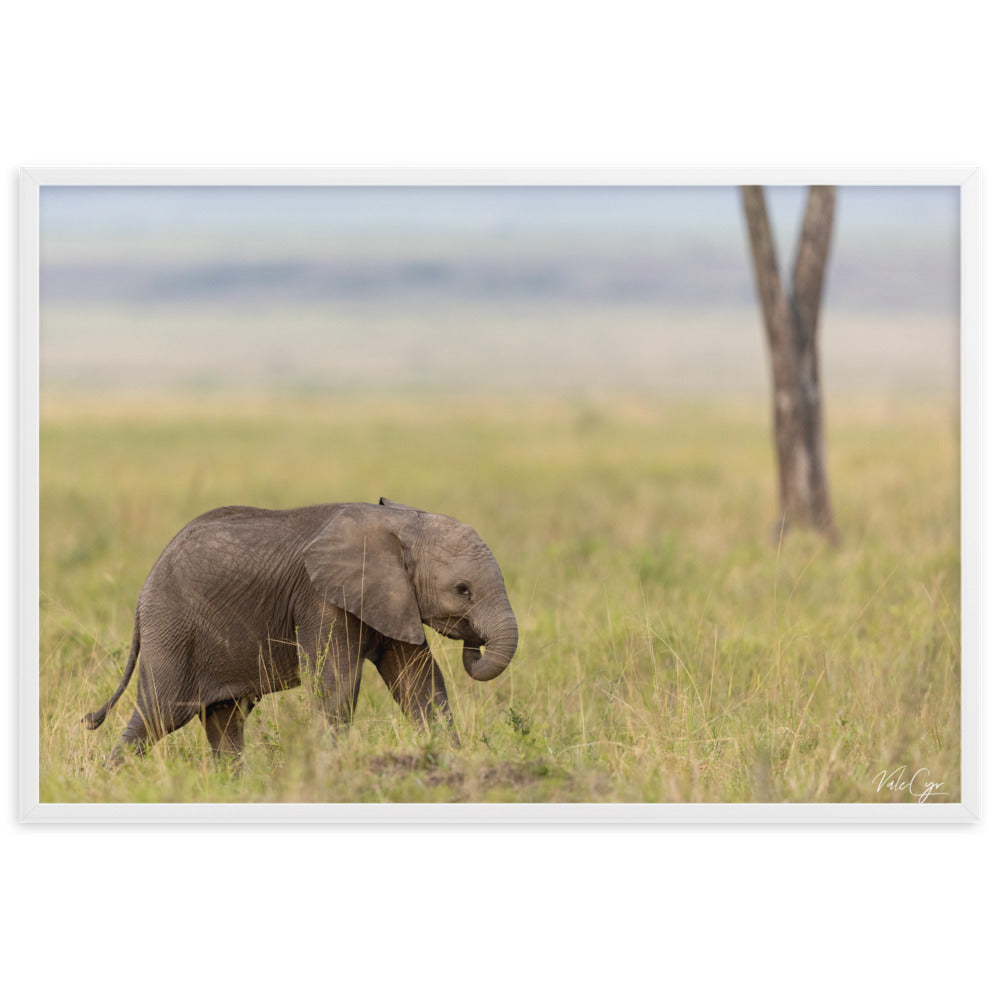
964 808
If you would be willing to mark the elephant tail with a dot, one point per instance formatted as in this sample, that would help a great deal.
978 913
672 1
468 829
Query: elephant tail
94 719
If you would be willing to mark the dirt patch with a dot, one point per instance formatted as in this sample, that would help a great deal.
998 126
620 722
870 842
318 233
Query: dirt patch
435 770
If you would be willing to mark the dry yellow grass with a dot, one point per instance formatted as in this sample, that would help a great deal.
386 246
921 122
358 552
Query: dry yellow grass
670 651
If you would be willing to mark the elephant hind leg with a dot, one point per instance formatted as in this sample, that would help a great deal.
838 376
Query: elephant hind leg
223 722
136 740
144 729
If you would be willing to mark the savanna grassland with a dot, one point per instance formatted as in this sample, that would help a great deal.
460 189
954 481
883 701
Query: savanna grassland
671 650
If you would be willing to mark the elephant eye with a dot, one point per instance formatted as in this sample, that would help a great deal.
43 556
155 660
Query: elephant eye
463 589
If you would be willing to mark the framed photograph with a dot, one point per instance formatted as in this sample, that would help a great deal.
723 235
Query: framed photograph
615 495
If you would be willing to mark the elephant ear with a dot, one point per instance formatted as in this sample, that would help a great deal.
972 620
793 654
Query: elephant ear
358 563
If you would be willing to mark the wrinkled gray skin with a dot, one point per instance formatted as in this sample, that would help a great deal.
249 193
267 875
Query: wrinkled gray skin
241 595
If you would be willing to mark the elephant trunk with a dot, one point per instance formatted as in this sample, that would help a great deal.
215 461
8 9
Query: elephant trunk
498 650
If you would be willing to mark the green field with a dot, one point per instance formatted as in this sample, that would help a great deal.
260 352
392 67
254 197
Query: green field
670 650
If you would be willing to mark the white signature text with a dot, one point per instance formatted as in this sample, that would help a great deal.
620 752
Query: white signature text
918 784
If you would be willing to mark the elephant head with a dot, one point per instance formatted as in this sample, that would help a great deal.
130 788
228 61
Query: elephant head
397 568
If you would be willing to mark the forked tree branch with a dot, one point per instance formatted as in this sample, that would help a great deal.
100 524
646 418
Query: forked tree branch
770 293
810 261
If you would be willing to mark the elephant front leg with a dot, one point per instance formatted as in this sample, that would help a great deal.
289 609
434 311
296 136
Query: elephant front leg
415 681
330 660
340 685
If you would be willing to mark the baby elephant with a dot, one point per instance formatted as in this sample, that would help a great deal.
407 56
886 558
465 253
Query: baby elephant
242 595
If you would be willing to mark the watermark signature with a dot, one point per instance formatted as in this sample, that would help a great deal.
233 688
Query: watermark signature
917 783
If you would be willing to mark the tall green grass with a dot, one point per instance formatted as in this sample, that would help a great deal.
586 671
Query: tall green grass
671 650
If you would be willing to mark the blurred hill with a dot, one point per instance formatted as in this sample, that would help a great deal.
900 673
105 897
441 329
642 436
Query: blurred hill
887 277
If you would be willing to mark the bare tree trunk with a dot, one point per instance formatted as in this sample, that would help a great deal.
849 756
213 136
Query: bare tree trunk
791 325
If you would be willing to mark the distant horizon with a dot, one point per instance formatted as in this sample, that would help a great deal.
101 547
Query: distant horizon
630 284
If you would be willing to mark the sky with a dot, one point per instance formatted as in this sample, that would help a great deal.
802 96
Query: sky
192 238
163 210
